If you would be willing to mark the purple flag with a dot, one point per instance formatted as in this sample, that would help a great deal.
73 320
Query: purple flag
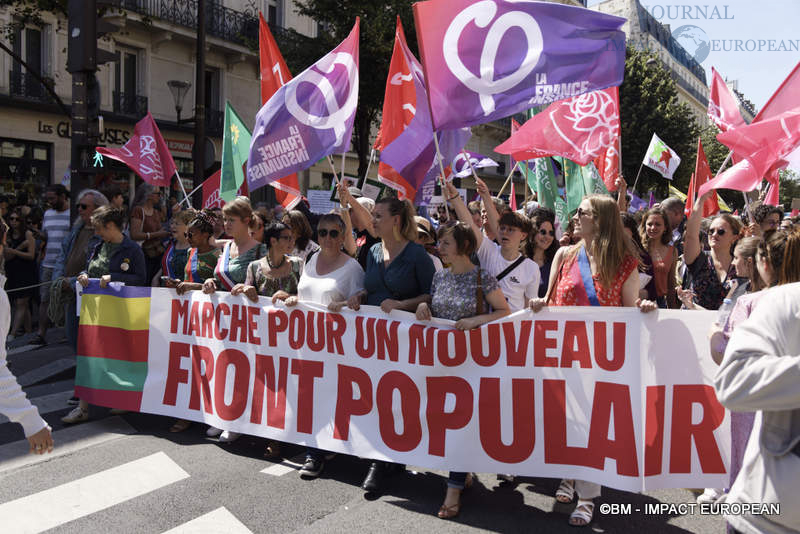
461 167
412 154
308 118
488 59
652 200
637 203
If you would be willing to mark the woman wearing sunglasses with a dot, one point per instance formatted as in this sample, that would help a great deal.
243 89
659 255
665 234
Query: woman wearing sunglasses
710 272
331 278
542 246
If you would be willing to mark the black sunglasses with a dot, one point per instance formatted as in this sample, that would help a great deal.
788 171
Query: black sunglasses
325 232
546 232
719 231
83 206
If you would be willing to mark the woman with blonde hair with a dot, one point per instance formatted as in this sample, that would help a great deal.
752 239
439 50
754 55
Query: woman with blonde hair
601 270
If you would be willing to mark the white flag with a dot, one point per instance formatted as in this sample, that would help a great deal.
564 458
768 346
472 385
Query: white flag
661 158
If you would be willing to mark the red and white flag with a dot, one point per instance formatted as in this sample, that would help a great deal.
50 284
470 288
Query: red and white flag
580 129
702 174
512 198
723 107
146 153
740 177
275 73
773 195
784 98
211 196
607 165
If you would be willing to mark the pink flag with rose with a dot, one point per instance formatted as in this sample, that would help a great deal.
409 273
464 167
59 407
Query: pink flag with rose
580 129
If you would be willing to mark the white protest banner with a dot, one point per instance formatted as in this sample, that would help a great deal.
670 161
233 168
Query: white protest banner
609 395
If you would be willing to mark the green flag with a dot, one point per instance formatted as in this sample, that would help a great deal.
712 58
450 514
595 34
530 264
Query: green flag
573 182
592 182
235 150
543 181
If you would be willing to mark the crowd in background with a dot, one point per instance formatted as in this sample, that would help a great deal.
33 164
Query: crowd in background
467 262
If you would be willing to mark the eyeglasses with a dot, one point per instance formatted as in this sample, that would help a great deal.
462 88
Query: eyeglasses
719 231
324 232
546 232
582 212
189 234
83 206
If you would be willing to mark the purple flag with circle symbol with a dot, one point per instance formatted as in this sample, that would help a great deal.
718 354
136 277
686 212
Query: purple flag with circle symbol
489 59
461 165
308 118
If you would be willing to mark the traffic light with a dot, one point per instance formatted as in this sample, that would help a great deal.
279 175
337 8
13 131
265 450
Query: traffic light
85 27
94 120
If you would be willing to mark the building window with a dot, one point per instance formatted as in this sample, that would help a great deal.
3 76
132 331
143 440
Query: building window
128 98
215 117
33 46
274 11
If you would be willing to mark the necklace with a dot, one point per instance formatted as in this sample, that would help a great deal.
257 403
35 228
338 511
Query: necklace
283 260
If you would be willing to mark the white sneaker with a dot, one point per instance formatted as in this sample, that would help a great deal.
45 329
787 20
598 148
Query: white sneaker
709 496
213 432
227 436
76 416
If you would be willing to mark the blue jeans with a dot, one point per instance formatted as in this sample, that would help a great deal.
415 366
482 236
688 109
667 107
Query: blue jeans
71 323
456 480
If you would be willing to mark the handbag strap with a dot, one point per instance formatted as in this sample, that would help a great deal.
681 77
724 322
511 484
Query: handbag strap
510 268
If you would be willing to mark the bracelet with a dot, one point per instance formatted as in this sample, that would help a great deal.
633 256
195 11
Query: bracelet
453 197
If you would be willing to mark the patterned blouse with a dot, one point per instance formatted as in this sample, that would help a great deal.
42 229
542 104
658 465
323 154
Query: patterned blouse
607 296
454 296
709 291
205 261
267 285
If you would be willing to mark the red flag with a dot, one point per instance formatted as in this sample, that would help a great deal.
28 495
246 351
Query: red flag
512 198
773 195
723 108
784 98
146 153
580 129
702 174
211 197
741 177
766 143
607 165
398 103
275 73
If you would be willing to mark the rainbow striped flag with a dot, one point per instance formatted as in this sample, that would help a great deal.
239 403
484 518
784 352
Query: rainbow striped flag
113 341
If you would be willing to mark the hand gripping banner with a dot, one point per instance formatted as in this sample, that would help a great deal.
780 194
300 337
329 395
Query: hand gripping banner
489 59
616 397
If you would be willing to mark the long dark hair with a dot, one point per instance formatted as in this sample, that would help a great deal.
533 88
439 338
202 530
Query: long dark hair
539 216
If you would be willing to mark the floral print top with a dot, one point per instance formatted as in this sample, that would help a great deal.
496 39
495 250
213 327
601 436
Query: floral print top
267 285
454 296
607 296
708 290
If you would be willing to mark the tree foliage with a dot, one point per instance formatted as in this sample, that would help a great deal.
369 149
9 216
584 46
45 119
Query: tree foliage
378 20
26 12
649 104
789 188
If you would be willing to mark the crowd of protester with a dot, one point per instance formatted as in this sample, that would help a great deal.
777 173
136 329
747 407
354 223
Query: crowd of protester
467 262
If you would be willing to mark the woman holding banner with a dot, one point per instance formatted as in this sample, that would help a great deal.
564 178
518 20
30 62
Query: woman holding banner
275 275
116 259
398 277
471 297
231 268
331 278
601 270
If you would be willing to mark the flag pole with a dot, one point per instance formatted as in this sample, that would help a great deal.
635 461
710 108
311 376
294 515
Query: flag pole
516 163
192 192
369 163
185 196
441 176
637 177
333 168
342 173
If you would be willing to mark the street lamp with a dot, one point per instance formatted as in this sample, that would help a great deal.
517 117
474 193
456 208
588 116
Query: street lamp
179 89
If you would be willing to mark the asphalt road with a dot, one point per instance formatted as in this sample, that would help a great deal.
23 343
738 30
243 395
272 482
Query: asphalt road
129 474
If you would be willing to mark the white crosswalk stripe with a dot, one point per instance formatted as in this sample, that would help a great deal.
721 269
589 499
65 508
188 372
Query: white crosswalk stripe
286 466
90 494
215 522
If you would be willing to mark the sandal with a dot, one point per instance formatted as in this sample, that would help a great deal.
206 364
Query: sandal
582 515
180 425
449 512
273 450
566 491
